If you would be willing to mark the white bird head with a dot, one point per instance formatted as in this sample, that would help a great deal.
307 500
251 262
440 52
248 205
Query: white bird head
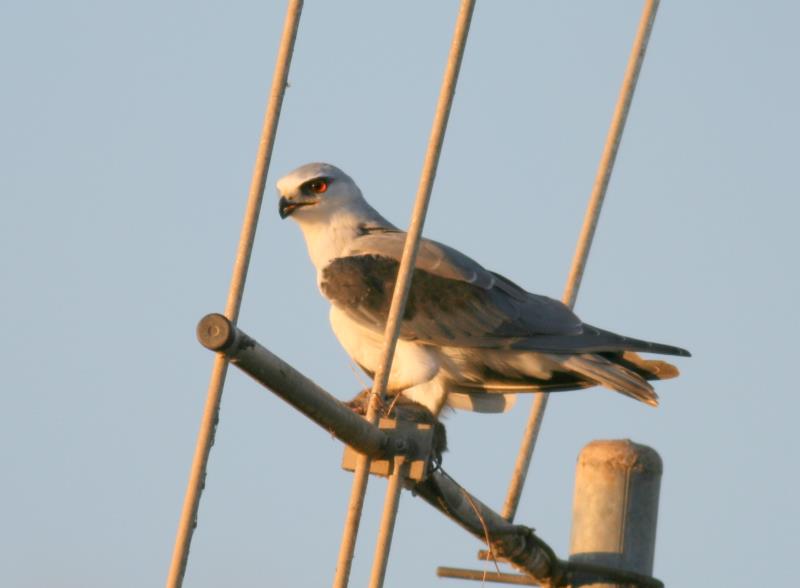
314 191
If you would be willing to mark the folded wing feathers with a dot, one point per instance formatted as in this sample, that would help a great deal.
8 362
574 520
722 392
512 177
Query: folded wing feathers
455 301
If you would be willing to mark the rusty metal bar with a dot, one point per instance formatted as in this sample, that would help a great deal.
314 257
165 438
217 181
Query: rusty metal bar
217 333
591 218
403 284
205 437
516 544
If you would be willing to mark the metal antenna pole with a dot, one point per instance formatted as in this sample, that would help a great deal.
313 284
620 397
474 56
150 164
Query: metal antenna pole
205 437
615 508
585 240
403 284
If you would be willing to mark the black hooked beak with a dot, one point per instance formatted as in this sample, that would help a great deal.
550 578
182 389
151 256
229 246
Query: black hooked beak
286 207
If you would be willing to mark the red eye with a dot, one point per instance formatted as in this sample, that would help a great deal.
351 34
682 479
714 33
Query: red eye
318 186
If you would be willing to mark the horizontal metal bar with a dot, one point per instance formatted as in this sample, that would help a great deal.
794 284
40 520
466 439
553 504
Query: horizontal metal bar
217 333
515 543
485 576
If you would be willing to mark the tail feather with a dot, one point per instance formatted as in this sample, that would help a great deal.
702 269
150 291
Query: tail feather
612 375
650 369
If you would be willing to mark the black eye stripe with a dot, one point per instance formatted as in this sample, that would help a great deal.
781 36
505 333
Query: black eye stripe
313 186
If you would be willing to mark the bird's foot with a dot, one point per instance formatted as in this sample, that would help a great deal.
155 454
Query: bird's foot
403 409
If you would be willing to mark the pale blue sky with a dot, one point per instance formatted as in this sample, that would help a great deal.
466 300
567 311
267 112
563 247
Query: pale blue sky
128 136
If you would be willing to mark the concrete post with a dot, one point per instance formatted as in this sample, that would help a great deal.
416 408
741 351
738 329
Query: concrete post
615 508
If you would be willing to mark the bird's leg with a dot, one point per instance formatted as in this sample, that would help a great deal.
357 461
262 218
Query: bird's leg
360 402
407 410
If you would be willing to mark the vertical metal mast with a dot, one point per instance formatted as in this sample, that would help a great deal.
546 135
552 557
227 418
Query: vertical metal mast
205 437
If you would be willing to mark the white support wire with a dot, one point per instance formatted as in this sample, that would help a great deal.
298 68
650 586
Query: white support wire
399 299
205 437
599 189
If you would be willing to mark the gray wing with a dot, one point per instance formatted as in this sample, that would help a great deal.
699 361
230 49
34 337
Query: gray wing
454 301
432 257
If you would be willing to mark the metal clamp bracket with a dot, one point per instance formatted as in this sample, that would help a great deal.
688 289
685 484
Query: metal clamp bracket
412 440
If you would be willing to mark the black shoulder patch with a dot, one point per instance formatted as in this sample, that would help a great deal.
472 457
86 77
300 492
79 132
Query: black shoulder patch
365 282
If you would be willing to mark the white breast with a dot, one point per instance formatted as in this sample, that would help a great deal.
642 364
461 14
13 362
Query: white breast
413 363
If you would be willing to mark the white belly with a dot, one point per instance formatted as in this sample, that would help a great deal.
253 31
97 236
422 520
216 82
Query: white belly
413 363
